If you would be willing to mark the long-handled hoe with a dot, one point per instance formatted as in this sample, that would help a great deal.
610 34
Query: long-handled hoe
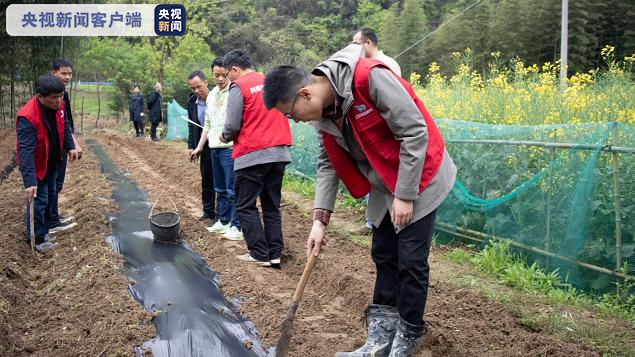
31 224
287 326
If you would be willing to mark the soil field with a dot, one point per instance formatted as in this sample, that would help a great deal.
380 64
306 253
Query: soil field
73 300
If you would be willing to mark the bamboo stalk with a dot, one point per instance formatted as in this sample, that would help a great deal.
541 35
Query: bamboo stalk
472 235
549 194
618 212
609 148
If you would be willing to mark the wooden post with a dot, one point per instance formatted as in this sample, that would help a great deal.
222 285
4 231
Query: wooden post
564 44
98 107
4 122
82 117
12 99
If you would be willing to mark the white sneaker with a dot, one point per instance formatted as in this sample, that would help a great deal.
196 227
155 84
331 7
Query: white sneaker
233 233
218 227
248 258
64 220
62 228
275 261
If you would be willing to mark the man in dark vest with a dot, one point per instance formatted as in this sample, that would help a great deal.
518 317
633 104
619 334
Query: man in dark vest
63 69
42 137
154 107
375 135
136 109
196 107
260 152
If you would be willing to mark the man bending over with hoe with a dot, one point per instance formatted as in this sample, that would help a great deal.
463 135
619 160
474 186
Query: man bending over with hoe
375 135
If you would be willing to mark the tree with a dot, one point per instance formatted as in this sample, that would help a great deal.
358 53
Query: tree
414 27
389 35
369 14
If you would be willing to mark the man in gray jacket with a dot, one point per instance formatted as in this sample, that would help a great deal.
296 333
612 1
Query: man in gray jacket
375 135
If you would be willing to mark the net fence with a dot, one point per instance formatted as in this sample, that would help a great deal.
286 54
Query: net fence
563 195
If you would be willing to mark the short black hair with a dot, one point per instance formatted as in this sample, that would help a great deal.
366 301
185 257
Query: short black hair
368 34
59 63
48 84
236 58
198 74
282 84
217 62
136 86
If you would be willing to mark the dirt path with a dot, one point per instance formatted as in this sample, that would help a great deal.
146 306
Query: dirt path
73 300
461 321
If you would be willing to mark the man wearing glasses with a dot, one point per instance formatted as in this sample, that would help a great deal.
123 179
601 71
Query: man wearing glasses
260 152
375 135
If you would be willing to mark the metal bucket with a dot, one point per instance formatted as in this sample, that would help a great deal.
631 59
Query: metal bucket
165 226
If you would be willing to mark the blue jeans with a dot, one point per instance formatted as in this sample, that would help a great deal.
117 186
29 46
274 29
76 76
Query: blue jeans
59 184
45 196
223 172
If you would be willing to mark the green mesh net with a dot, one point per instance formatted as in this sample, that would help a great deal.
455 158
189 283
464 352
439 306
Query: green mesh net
551 190
177 124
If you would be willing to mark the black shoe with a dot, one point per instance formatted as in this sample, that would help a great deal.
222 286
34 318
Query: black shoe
207 216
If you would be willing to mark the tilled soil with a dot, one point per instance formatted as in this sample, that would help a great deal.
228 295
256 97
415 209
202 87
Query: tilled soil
73 300
461 322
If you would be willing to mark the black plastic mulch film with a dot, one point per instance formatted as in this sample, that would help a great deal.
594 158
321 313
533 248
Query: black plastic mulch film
191 316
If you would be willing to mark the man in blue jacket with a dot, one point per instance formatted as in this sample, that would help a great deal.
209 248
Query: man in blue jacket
42 137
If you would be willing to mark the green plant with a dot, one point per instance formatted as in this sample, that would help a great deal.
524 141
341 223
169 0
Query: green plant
299 184
459 256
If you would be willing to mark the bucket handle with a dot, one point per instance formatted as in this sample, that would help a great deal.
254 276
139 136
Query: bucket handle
157 201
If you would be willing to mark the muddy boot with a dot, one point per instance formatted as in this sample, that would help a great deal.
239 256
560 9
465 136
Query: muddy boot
406 339
382 323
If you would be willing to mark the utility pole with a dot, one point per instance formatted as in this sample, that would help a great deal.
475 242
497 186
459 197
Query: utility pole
564 45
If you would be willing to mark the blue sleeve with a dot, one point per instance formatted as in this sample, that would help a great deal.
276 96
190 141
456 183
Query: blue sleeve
26 152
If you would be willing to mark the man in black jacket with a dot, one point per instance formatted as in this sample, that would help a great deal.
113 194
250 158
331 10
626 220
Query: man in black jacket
63 69
136 110
196 107
154 107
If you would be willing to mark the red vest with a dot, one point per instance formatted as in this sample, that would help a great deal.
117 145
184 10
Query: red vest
34 114
261 128
377 140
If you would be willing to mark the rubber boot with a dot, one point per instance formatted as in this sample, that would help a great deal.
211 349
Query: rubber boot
382 324
406 339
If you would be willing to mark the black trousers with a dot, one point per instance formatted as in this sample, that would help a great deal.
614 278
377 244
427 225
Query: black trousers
402 266
153 129
138 126
207 183
264 181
